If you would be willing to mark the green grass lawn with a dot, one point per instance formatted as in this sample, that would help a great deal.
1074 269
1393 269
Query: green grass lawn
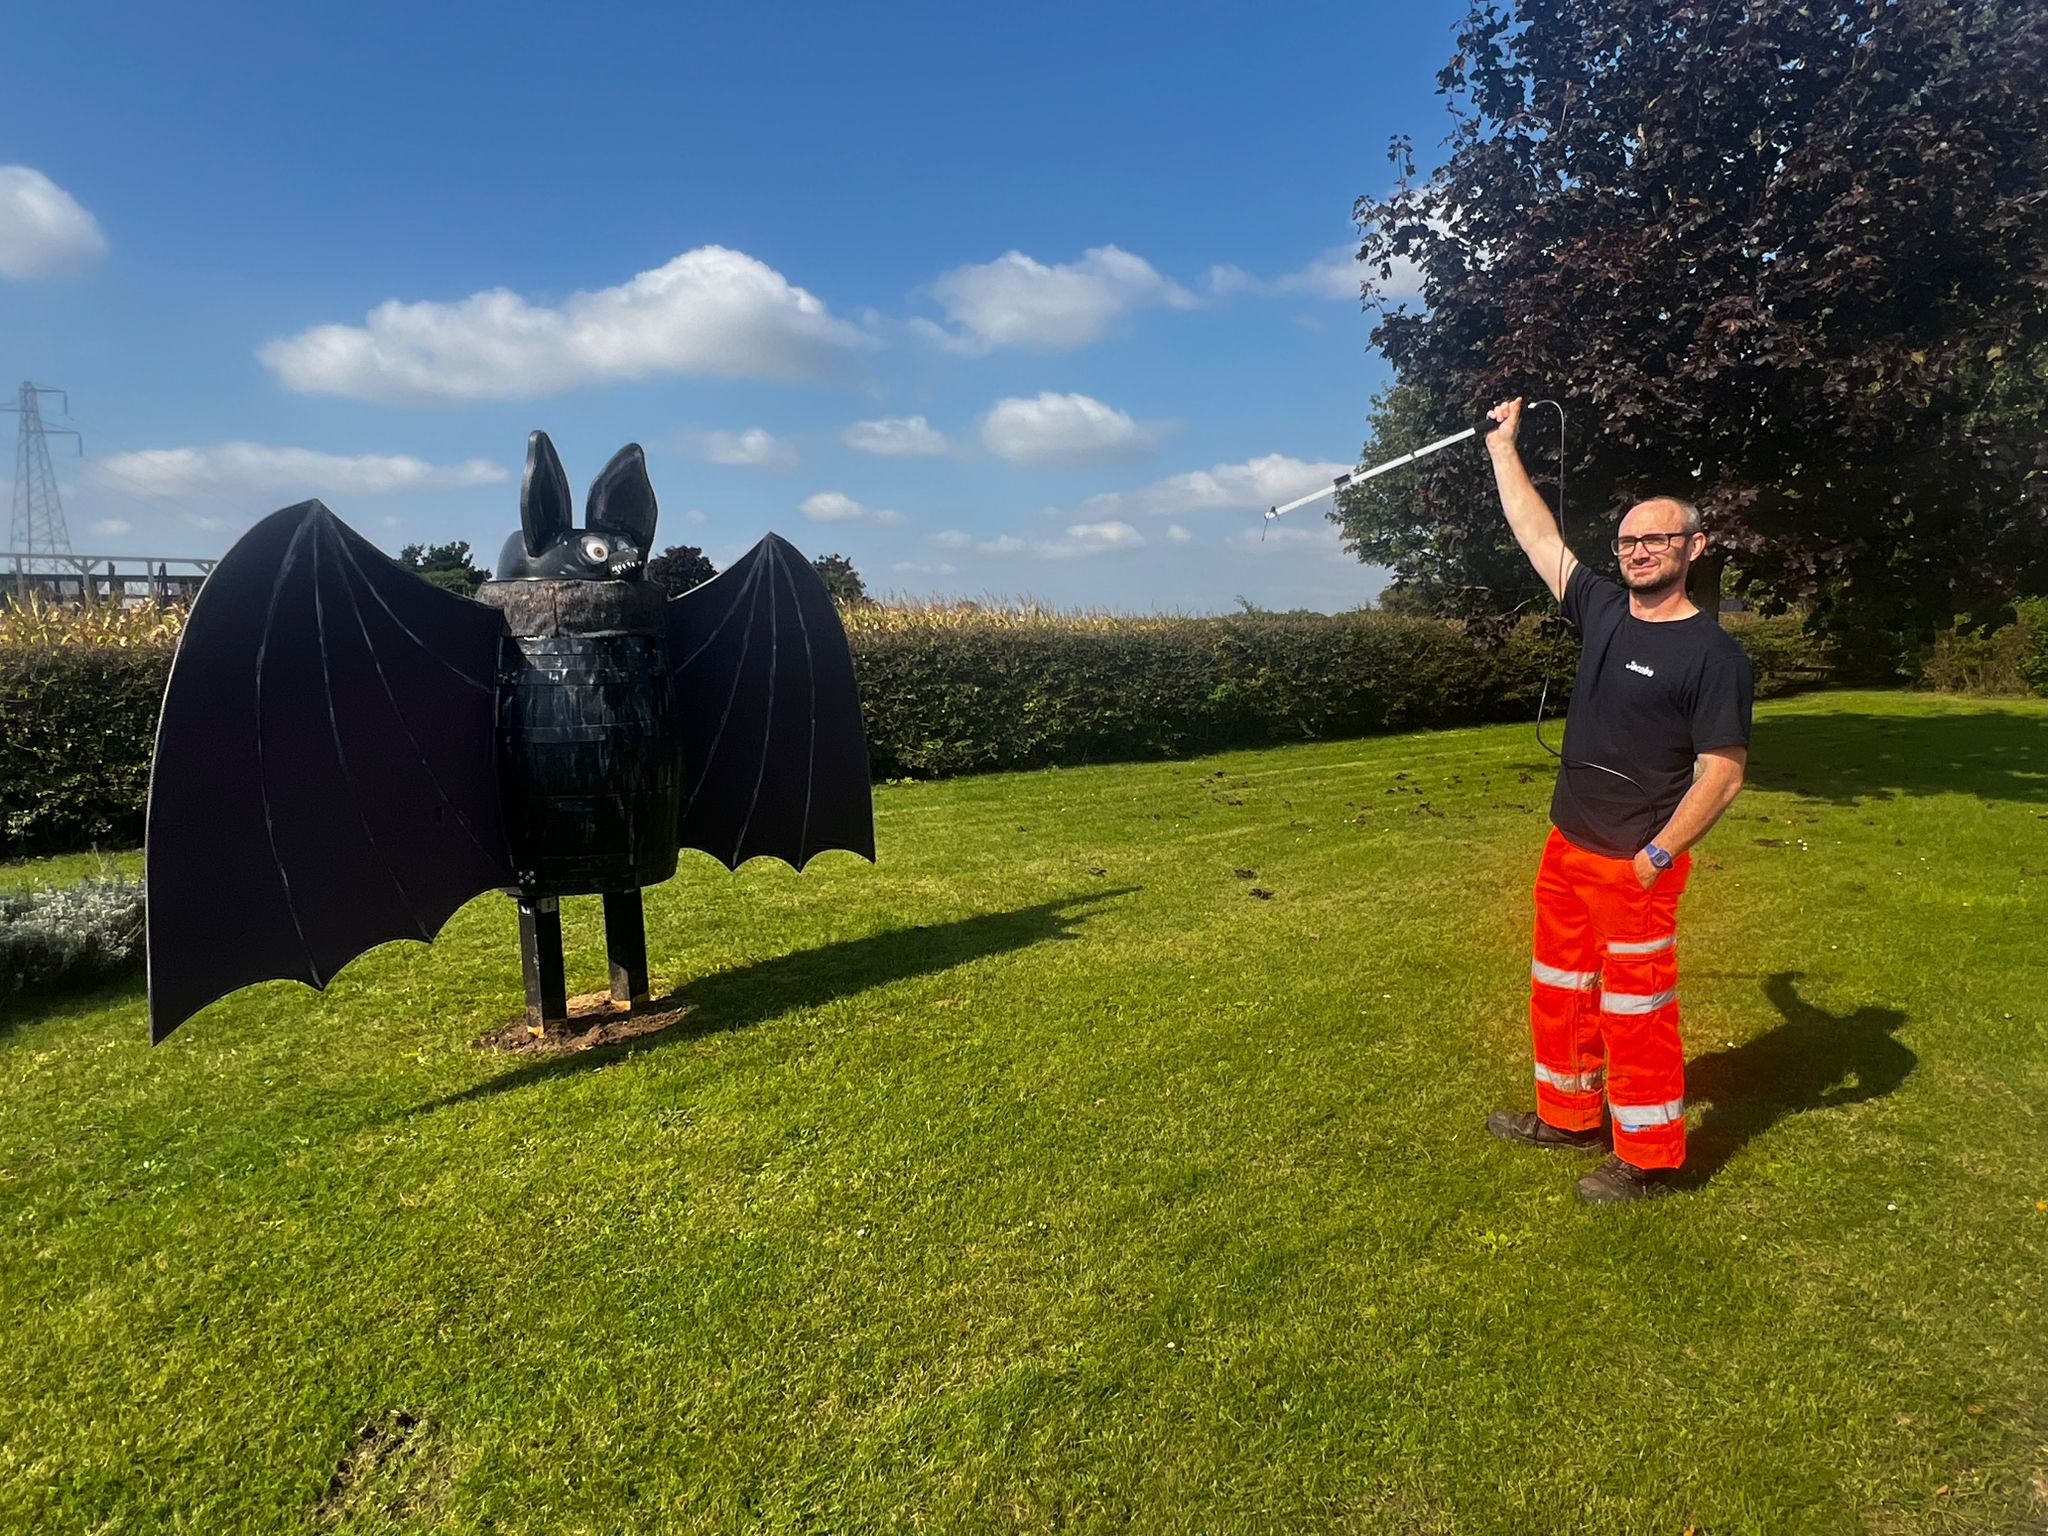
1109 1157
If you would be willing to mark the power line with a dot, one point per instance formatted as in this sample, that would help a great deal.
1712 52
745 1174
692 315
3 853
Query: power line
38 531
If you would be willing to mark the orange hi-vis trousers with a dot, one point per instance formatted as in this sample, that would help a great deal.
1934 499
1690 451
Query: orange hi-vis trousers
1603 1001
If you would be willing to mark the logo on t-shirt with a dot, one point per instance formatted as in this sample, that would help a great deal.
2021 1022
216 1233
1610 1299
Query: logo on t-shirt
1637 666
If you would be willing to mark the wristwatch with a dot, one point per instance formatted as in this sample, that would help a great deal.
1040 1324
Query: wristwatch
1657 856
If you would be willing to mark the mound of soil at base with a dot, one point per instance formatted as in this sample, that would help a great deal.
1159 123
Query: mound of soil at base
594 1020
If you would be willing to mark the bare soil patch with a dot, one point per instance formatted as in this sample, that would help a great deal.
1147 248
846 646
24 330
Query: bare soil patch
390 1468
594 1020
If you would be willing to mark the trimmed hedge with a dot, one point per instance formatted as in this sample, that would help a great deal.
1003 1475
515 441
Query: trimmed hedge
77 726
965 698
945 692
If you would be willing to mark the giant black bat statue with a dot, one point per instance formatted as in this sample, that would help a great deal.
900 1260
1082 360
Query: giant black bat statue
348 753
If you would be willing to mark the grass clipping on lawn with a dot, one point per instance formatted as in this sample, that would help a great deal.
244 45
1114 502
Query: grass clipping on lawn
1110 1157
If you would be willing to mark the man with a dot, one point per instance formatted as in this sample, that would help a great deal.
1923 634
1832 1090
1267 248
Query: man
1655 743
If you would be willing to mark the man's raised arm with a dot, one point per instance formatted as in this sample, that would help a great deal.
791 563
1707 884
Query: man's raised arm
1527 513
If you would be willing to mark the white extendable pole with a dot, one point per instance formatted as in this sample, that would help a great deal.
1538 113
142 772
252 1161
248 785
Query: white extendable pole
1356 475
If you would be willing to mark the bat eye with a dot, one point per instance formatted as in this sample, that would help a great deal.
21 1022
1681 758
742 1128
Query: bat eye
595 549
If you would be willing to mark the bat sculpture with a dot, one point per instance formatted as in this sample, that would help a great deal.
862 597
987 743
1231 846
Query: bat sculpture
348 753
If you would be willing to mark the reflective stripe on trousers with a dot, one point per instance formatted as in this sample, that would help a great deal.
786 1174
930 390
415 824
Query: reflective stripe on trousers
1636 1002
1572 1082
1643 1117
1645 947
1571 981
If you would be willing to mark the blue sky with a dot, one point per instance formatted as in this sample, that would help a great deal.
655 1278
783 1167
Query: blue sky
1043 303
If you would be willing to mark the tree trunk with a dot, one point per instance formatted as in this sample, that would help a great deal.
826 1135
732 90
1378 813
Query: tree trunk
1703 584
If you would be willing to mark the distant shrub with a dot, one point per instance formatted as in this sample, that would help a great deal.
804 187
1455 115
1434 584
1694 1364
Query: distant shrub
70 939
1978 659
2033 646
1783 652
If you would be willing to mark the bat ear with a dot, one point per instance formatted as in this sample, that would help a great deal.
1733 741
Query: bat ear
622 498
546 512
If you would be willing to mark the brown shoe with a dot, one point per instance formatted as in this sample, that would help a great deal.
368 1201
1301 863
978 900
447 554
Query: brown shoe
1532 1130
1615 1182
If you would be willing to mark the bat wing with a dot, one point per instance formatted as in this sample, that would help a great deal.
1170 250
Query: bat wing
774 757
326 766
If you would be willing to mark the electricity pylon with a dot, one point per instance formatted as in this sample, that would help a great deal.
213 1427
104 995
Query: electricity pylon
38 533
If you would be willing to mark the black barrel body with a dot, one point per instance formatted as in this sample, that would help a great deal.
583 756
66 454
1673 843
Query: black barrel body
588 755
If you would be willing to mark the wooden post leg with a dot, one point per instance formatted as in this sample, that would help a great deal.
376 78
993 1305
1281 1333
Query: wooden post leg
540 961
625 943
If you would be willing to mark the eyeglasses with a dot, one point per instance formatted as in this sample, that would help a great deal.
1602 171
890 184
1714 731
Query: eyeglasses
1650 543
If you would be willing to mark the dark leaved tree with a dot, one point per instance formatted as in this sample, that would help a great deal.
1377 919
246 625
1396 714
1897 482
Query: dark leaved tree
1463 567
1787 259
841 579
445 565
679 568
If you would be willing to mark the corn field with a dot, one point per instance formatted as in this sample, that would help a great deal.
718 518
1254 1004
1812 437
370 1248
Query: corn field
39 621
990 616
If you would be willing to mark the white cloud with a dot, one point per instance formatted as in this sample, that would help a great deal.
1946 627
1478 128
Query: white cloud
1251 486
207 524
913 568
111 527
755 448
1062 429
43 230
896 437
831 507
1015 301
838 507
709 311
1227 278
232 468
1079 539
693 516
1097 538
1335 274
1175 534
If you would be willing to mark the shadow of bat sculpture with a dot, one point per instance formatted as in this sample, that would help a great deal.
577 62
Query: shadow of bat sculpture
348 753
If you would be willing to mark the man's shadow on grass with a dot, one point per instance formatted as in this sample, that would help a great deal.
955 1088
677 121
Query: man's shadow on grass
807 978
1814 1060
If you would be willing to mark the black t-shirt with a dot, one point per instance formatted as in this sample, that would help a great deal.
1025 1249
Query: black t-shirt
1649 698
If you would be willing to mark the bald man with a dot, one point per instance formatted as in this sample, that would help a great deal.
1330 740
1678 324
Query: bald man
1655 744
